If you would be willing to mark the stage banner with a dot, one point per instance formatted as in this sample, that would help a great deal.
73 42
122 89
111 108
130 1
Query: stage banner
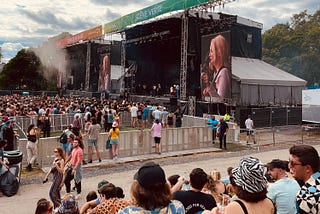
84 35
215 68
151 12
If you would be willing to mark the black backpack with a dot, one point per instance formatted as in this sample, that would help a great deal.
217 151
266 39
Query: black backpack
63 138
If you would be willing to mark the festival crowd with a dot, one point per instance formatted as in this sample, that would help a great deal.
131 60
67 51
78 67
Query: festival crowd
279 186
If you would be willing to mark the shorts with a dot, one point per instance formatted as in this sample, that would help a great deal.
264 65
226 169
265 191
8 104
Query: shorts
92 143
157 140
144 117
66 147
114 141
250 132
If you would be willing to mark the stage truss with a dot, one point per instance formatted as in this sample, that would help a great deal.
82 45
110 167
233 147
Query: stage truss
184 41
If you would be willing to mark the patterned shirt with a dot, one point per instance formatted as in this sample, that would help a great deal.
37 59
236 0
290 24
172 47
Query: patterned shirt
175 207
308 198
110 206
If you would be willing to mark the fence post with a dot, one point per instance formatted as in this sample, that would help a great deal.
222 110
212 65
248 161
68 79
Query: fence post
273 136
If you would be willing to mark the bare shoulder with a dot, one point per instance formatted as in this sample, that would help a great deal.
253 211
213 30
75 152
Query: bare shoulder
233 208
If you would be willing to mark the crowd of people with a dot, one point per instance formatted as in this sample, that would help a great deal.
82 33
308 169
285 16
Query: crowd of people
279 186
252 187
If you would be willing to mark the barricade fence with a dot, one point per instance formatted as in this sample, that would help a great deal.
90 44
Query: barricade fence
194 134
131 143
293 134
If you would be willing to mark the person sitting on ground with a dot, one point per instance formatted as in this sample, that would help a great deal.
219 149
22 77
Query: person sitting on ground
119 192
44 207
173 179
111 204
304 166
93 203
250 186
284 190
215 187
150 192
92 195
68 205
194 200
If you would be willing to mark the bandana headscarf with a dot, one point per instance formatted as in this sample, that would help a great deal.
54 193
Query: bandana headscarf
249 175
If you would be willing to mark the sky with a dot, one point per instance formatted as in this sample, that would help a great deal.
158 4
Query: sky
28 23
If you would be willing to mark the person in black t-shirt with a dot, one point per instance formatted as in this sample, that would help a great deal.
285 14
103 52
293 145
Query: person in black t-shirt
194 200
223 129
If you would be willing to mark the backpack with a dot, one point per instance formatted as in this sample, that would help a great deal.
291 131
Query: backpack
63 138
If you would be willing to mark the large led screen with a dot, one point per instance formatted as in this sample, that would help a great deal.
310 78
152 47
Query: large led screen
215 66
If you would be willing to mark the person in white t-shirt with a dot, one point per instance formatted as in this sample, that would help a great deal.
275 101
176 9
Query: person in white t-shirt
134 110
249 127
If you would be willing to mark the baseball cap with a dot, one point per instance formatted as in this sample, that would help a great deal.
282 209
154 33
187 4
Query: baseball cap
150 174
101 183
114 124
5 118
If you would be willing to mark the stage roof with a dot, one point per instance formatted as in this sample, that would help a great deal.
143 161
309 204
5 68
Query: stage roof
255 71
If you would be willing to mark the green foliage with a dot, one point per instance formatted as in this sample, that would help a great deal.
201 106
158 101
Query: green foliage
24 71
295 46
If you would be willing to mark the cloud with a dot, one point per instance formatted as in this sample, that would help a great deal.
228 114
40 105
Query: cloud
9 50
29 23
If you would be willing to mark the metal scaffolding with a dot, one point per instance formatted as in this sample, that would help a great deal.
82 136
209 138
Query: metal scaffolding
184 56
88 65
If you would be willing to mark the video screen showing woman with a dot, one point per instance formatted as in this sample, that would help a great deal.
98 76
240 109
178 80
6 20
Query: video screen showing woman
216 66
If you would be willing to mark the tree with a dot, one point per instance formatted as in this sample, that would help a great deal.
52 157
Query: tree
23 72
295 46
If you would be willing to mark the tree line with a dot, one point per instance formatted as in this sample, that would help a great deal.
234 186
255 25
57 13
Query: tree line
295 46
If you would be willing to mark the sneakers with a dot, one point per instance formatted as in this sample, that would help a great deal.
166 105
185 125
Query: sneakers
78 196
100 160
90 161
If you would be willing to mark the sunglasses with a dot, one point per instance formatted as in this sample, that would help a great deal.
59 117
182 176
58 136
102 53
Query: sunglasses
291 163
56 151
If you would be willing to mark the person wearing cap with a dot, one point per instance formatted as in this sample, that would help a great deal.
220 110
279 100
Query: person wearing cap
194 200
9 134
249 128
114 139
284 190
150 192
95 202
304 165
111 203
250 186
